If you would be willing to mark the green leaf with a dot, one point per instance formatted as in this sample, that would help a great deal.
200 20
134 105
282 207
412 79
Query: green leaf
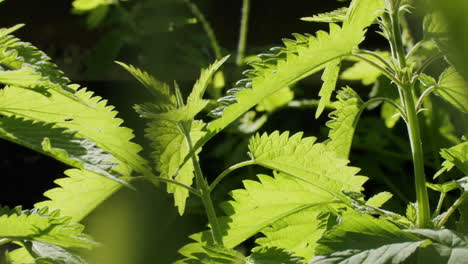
299 59
343 122
57 142
39 225
379 199
51 254
273 256
363 71
79 193
329 78
94 120
276 100
161 91
204 80
338 15
25 66
313 163
444 187
450 247
363 239
452 88
456 156
285 209
169 150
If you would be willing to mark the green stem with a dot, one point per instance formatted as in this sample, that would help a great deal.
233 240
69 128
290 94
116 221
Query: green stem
418 158
377 56
397 36
439 204
382 69
452 209
426 92
229 170
204 189
207 27
383 99
412 123
243 32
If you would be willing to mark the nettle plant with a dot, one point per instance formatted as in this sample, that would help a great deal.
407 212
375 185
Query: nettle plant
310 209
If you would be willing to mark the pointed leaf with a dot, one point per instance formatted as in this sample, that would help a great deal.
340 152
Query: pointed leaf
94 120
379 199
343 122
51 254
338 15
161 91
456 156
170 148
39 225
300 157
452 88
285 210
329 78
273 256
363 239
79 193
204 80
57 142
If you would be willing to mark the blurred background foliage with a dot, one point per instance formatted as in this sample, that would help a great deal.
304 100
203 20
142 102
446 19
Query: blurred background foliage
171 40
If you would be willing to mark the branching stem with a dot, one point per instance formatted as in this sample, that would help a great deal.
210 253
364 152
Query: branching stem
439 204
406 91
377 56
384 99
204 189
452 209
426 92
382 69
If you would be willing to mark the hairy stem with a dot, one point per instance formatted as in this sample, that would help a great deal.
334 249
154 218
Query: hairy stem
406 91
452 209
204 189
383 99
426 92
397 36
382 69
418 158
243 32
439 204
229 170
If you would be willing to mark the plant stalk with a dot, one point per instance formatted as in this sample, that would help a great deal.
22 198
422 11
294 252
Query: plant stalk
206 26
204 189
414 133
452 209
406 91
243 32
229 170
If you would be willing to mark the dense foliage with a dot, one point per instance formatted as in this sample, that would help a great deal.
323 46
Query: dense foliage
308 202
